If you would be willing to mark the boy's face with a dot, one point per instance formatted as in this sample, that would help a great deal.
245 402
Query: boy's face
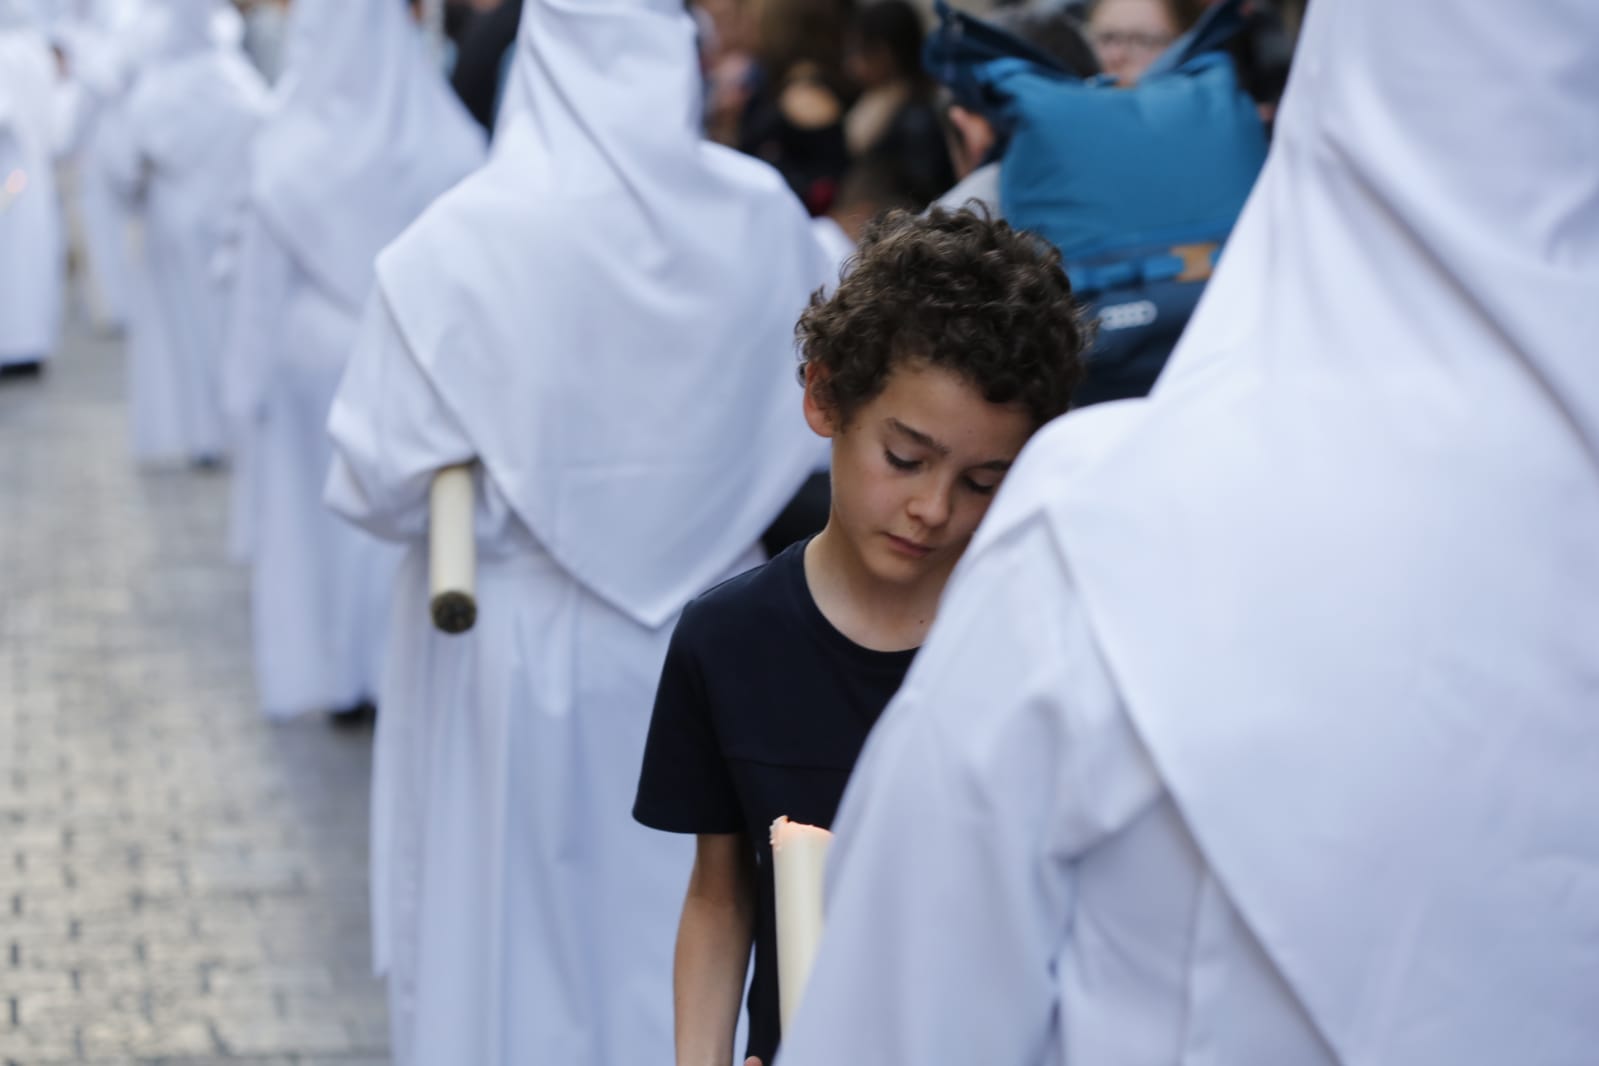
916 468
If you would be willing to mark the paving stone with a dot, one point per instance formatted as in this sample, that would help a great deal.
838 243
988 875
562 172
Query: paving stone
181 882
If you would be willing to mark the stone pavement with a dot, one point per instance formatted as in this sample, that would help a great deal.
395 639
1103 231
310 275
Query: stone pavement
181 882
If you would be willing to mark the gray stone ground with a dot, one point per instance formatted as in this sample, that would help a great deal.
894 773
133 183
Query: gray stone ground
181 882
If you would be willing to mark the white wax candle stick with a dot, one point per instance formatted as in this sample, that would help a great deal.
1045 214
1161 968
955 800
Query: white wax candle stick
799 859
452 550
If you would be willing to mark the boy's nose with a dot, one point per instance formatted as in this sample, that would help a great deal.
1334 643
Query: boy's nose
931 508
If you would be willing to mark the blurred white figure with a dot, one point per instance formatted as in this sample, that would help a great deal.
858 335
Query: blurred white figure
97 38
32 249
602 317
179 147
265 31
1258 725
364 135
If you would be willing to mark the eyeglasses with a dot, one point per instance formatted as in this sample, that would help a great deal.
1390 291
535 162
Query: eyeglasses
1132 42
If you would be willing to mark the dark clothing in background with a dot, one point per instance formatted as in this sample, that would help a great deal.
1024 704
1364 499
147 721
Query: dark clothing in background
804 516
812 161
915 140
479 54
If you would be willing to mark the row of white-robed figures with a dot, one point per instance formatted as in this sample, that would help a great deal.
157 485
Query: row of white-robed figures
46 118
232 230
602 318
149 103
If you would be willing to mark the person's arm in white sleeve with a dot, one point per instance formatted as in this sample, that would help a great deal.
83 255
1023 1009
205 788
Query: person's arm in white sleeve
391 433
951 879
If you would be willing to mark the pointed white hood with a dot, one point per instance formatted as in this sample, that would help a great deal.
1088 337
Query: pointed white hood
608 306
1345 566
365 135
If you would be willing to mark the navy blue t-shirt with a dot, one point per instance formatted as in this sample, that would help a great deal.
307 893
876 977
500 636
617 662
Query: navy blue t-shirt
762 711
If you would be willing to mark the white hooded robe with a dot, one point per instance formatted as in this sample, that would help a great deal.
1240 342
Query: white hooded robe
602 318
179 148
1258 725
32 251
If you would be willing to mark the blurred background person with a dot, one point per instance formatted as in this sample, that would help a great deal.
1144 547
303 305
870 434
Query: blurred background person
1137 184
794 117
874 183
974 144
1129 35
32 242
179 149
97 38
601 318
364 135
485 41
727 63
265 35
895 115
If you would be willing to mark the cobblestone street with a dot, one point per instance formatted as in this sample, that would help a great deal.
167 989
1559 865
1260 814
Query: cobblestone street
181 882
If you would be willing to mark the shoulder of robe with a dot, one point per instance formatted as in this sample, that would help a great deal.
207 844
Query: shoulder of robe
1053 460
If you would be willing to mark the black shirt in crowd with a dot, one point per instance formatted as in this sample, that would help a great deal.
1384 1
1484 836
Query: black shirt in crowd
762 710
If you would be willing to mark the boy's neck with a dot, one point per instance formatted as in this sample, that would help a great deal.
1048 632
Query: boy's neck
877 615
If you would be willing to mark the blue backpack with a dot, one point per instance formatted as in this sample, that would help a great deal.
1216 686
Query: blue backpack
1138 188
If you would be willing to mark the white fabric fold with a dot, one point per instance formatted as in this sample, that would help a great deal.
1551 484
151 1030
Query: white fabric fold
616 334
1345 571
364 134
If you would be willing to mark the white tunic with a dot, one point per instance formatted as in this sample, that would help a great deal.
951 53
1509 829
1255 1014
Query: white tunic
181 148
1257 727
364 134
520 913
32 253
602 317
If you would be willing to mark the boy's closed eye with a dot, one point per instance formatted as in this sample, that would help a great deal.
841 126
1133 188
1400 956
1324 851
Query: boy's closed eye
982 488
899 462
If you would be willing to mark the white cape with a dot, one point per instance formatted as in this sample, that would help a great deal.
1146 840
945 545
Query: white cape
1331 596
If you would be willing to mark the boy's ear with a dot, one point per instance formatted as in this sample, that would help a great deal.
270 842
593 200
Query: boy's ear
818 415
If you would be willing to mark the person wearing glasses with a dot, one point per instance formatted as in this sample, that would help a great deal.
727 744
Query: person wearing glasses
1128 35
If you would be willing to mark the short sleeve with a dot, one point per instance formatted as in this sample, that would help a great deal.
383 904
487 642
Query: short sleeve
685 786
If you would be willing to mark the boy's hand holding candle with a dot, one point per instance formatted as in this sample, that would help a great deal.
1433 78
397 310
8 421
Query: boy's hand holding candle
799 858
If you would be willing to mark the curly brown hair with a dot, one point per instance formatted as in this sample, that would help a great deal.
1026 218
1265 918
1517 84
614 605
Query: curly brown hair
955 289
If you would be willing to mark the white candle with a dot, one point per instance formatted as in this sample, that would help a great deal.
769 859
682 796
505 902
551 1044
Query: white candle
452 550
799 858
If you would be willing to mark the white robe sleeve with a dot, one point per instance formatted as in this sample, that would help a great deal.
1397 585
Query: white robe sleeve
391 433
951 880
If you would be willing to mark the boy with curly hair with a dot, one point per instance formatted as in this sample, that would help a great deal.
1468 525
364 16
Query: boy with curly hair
952 341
